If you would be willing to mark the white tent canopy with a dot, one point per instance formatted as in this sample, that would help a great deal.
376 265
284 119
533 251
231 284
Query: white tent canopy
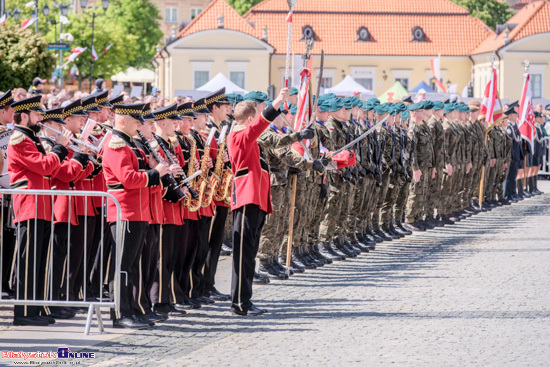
133 75
347 88
220 81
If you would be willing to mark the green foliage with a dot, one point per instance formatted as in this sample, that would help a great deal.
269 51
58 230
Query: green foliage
23 56
491 12
131 25
242 6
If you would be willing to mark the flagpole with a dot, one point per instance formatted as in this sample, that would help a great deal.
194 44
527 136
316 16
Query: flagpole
482 175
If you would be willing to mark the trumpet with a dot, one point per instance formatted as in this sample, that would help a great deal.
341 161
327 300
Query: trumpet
73 139
74 148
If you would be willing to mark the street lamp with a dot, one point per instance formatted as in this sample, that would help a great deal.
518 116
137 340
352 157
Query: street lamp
46 10
105 4
16 14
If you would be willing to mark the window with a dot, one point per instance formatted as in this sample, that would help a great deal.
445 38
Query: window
402 76
201 78
195 12
364 75
536 86
326 82
328 77
171 15
237 77
431 78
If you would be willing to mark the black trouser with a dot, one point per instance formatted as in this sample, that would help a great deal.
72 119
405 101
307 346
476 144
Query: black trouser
162 291
92 271
59 270
215 242
248 222
197 275
8 242
102 261
134 239
187 253
148 268
81 239
31 266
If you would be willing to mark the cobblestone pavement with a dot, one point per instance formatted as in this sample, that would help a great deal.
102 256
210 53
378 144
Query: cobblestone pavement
472 294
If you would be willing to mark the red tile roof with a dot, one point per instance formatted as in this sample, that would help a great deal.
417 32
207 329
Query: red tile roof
531 19
449 29
208 19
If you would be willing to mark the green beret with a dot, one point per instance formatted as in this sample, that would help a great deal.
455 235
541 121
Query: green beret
336 104
405 114
438 105
293 109
324 106
428 105
449 107
349 103
374 102
327 97
416 106
255 96
381 109
401 106
293 91
270 101
234 98
394 110
462 108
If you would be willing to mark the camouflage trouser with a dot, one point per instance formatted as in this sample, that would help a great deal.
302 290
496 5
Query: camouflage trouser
329 225
274 223
401 202
434 194
372 203
364 212
311 228
346 218
386 214
500 180
384 186
446 187
468 188
318 215
490 183
458 188
299 212
417 197
475 183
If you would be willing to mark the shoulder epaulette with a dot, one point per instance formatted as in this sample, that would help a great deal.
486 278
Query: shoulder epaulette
2 128
239 128
17 137
116 142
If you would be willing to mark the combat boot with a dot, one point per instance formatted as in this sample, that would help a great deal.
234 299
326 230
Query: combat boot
364 239
327 251
340 247
308 264
347 243
281 267
307 252
403 229
318 255
266 269
378 231
260 279
294 266
375 237
394 231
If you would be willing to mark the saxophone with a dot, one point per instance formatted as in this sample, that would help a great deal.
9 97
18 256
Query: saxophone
225 175
208 185
193 204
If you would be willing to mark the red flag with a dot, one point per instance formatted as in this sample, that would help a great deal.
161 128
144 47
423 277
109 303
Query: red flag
435 65
289 17
526 113
27 22
303 110
345 158
94 54
107 48
491 109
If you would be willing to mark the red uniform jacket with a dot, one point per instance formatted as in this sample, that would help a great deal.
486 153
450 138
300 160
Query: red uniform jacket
171 205
127 179
29 167
251 183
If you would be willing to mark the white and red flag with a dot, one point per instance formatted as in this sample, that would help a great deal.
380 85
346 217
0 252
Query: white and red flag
94 54
526 121
107 48
75 53
491 109
28 22
303 110
3 19
435 65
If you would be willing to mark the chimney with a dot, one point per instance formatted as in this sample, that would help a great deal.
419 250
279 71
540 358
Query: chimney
220 21
506 33
264 37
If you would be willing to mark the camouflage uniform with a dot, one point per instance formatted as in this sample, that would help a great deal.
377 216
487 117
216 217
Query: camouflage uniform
424 161
479 154
387 162
450 138
396 179
435 184
404 190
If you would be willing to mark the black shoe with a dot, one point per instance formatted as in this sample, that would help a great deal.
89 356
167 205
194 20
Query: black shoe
266 269
252 311
319 256
258 279
217 295
414 227
30 321
130 323
153 316
48 318
341 246
226 250
426 224
374 236
304 260
335 250
294 266
360 246
166 309
387 233
61 313
505 202
187 304
319 263
394 232
434 222
280 270
203 300
145 319
382 235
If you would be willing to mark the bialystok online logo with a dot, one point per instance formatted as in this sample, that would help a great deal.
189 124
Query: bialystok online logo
62 353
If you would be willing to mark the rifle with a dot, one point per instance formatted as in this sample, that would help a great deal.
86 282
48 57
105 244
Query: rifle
394 163
382 138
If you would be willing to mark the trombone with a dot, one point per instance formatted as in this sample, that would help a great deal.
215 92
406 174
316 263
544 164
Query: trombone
74 148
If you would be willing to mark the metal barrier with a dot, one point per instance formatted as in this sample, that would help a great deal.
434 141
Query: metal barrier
545 167
9 223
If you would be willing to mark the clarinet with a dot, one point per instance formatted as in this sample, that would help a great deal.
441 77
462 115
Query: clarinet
168 155
171 178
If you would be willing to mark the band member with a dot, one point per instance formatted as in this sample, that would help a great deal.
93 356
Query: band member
128 181
221 108
29 167
166 286
251 197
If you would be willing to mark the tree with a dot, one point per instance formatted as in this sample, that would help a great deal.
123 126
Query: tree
491 12
242 6
23 56
139 18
